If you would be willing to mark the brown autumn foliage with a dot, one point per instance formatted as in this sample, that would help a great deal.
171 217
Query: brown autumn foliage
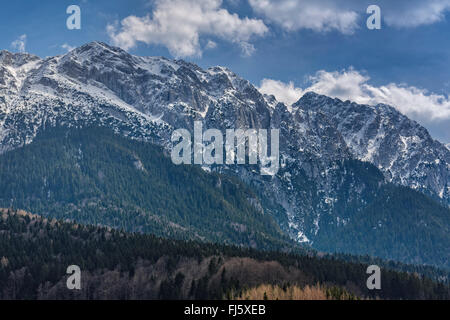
271 292
294 292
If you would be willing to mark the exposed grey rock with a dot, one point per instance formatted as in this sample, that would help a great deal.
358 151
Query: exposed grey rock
148 97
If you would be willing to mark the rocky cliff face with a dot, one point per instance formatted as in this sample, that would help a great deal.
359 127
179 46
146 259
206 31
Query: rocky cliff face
148 97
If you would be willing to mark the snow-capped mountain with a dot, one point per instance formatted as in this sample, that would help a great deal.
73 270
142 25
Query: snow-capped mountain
401 148
149 97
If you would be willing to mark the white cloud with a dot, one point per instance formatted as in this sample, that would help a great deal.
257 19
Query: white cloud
430 109
67 47
20 43
179 24
345 85
352 85
247 48
284 92
413 13
210 45
317 15
343 16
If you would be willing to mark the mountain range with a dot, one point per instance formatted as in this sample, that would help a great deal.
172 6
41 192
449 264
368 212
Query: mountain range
357 179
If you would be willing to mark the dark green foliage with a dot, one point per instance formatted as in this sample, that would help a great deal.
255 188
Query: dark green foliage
398 224
380 219
95 177
117 265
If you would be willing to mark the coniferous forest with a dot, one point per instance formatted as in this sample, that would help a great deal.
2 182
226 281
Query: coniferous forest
116 265
140 227
93 176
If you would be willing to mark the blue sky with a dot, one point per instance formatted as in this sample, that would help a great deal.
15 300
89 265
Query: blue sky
285 47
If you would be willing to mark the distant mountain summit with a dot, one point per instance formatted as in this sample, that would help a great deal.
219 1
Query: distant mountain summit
401 148
100 83
324 184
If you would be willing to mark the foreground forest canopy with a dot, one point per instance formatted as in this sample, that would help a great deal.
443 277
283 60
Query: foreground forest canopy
35 253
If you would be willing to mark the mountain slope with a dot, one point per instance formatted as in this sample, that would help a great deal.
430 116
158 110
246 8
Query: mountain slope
402 149
319 186
95 177
148 96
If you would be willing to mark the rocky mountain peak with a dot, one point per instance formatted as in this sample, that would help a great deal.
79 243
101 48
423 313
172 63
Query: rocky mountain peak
16 60
147 98
400 147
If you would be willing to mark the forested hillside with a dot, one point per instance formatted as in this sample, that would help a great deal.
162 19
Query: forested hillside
392 222
95 177
353 178
35 252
